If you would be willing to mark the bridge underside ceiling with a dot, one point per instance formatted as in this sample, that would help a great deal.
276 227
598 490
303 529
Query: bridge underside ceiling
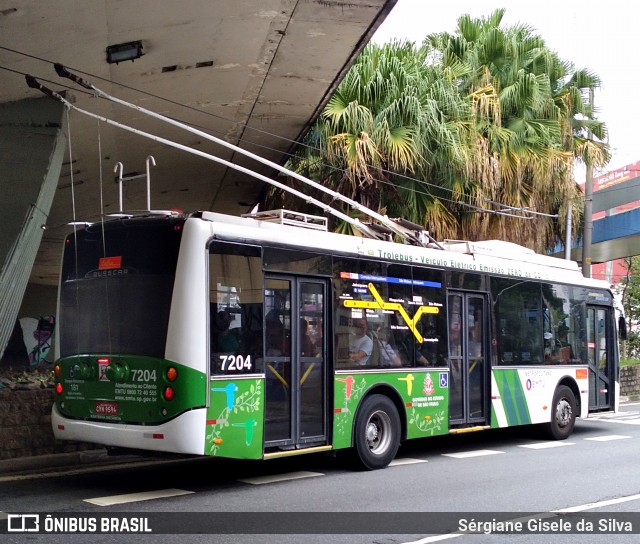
255 73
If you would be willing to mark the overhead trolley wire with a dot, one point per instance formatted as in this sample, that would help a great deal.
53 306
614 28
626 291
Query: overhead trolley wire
505 210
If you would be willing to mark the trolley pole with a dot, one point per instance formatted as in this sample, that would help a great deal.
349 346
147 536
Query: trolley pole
588 206
567 242
588 222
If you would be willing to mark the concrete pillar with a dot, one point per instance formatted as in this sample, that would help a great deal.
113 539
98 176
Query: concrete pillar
32 146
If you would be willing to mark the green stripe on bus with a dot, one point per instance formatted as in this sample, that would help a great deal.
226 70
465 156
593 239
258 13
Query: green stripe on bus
494 418
513 399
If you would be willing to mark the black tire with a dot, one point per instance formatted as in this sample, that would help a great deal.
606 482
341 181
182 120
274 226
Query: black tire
377 432
563 414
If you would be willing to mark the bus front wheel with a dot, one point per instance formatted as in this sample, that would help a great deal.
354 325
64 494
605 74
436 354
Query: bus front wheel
377 432
563 414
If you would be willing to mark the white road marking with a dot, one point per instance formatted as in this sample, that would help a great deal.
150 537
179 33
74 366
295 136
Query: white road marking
600 504
608 438
610 415
476 453
622 421
546 445
436 538
136 497
273 478
581 508
406 461
607 416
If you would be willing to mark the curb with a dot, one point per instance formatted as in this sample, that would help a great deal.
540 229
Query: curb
59 463
80 459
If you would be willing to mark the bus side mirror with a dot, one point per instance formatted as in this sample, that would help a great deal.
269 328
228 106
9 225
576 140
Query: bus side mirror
622 328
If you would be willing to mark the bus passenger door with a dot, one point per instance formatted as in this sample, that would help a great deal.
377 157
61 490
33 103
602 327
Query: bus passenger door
599 349
468 359
295 369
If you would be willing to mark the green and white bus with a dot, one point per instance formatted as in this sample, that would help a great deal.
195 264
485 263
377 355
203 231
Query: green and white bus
267 336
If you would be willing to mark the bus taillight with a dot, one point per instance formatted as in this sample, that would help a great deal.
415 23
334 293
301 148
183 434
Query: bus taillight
172 374
169 393
59 388
57 371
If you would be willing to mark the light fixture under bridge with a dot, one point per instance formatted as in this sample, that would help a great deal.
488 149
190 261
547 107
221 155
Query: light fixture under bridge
124 51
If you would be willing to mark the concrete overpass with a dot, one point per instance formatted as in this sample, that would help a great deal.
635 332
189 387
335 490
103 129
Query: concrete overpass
614 237
616 214
255 72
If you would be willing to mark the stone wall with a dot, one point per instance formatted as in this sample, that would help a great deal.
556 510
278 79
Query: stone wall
25 424
630 381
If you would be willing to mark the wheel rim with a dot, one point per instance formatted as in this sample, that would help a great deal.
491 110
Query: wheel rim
378 432
564 413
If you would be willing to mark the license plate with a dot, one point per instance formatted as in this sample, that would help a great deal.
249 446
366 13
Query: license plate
107 408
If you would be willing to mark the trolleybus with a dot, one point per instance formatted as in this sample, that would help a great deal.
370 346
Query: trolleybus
266 336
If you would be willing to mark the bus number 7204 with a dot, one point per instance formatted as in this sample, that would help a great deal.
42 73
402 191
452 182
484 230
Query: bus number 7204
236 362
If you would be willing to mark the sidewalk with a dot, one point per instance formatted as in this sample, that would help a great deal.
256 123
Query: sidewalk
81 460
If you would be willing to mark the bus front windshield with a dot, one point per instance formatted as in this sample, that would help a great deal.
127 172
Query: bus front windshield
116 287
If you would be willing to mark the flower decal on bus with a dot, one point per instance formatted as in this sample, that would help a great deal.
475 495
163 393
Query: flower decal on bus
343 415
239 406
230 391
428 425
348 387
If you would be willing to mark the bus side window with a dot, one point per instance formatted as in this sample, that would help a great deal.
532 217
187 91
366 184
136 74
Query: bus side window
235 298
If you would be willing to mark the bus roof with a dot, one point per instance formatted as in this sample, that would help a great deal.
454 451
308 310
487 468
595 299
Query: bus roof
493 257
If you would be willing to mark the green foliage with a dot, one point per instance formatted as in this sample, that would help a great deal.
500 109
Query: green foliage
21 379
631 303
441 132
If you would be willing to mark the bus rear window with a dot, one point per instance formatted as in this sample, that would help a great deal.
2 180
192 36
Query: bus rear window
116 287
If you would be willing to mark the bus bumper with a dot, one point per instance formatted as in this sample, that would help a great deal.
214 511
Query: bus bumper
184 434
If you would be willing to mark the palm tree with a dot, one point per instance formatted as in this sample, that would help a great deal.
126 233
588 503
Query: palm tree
528 108
439 134
393 117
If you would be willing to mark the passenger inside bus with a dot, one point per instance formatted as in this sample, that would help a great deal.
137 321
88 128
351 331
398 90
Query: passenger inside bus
475 341
360 344
276 335
226 339
388 353
421 357
426 354
566 351
307 348
558 349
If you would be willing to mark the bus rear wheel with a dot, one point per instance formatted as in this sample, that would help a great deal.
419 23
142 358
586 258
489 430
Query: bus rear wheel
563 414
377 432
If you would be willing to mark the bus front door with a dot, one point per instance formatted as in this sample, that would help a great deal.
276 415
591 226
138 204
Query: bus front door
467 359
295 369
599 349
